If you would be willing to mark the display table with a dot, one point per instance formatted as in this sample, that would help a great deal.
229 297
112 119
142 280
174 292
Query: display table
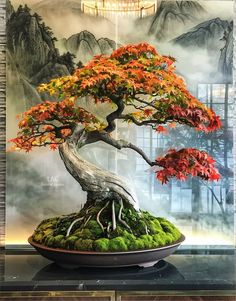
193 277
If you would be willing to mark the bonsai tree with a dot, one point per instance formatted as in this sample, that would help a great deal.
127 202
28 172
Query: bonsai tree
141 88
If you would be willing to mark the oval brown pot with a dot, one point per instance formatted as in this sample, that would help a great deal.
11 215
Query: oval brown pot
74 259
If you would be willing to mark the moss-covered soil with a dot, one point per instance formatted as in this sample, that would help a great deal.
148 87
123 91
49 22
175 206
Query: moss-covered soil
90 234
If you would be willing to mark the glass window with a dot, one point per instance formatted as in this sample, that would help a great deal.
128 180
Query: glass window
206 205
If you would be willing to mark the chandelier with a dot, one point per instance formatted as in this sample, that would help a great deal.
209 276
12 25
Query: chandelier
111 8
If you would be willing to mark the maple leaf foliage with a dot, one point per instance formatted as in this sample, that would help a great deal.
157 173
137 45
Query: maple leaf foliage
152 94
50 123
134 72
185 162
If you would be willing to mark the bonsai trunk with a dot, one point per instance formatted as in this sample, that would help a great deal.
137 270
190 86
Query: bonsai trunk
101 185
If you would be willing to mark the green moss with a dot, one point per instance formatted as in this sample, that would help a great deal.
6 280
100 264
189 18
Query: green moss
101 245
70 241
95 229
38 236
52 232
176 234
140 228
129 238
57 240
62 244
168 238
147 241
137 244
48 223
131 215
119 231
154 227
118 244
48 231
84 244
85 233
160 239
168 227
49 241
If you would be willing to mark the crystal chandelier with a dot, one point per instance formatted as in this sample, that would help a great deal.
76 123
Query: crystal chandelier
110 8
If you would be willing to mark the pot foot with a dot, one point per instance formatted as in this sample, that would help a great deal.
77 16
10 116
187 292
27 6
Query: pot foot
148 264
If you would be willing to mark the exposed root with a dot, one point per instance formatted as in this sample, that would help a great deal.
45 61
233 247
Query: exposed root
113 216
109 227
98 215
119 216
72 224
88 209
87 220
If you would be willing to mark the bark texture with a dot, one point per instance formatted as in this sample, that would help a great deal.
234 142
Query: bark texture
101 185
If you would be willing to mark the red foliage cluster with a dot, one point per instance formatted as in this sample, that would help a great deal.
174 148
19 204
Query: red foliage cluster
185 162
51 123
134 77
132 73
64 111
130 51
198 118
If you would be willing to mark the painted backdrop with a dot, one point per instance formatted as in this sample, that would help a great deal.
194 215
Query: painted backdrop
49 38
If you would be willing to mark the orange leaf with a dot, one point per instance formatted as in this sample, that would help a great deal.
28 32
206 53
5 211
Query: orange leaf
161 129
53 146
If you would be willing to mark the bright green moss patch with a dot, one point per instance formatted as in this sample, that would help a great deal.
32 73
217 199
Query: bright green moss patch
101 245
146 231
118 244
147 241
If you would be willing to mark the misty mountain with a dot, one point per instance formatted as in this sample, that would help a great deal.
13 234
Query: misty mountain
20 92
72 5
9 9
226 56
172 17
32 57
84 46
214 36
205 35
30 41
66 18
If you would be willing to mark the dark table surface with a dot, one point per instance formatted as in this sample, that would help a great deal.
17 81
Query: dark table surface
23 271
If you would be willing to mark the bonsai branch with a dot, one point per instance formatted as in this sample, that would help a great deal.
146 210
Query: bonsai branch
151 122
147 104
119 144
114 115
83 138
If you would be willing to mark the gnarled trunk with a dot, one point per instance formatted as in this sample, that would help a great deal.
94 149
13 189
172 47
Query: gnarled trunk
101 185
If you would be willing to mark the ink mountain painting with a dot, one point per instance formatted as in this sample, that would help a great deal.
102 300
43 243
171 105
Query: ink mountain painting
52 39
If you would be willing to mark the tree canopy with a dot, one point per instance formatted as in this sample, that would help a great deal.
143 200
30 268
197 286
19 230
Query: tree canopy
145 90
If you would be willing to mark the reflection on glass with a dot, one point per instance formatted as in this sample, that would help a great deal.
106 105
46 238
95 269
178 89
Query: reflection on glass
162 270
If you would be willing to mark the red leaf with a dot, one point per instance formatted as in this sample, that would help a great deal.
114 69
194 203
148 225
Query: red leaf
53 146
185 162
161 129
